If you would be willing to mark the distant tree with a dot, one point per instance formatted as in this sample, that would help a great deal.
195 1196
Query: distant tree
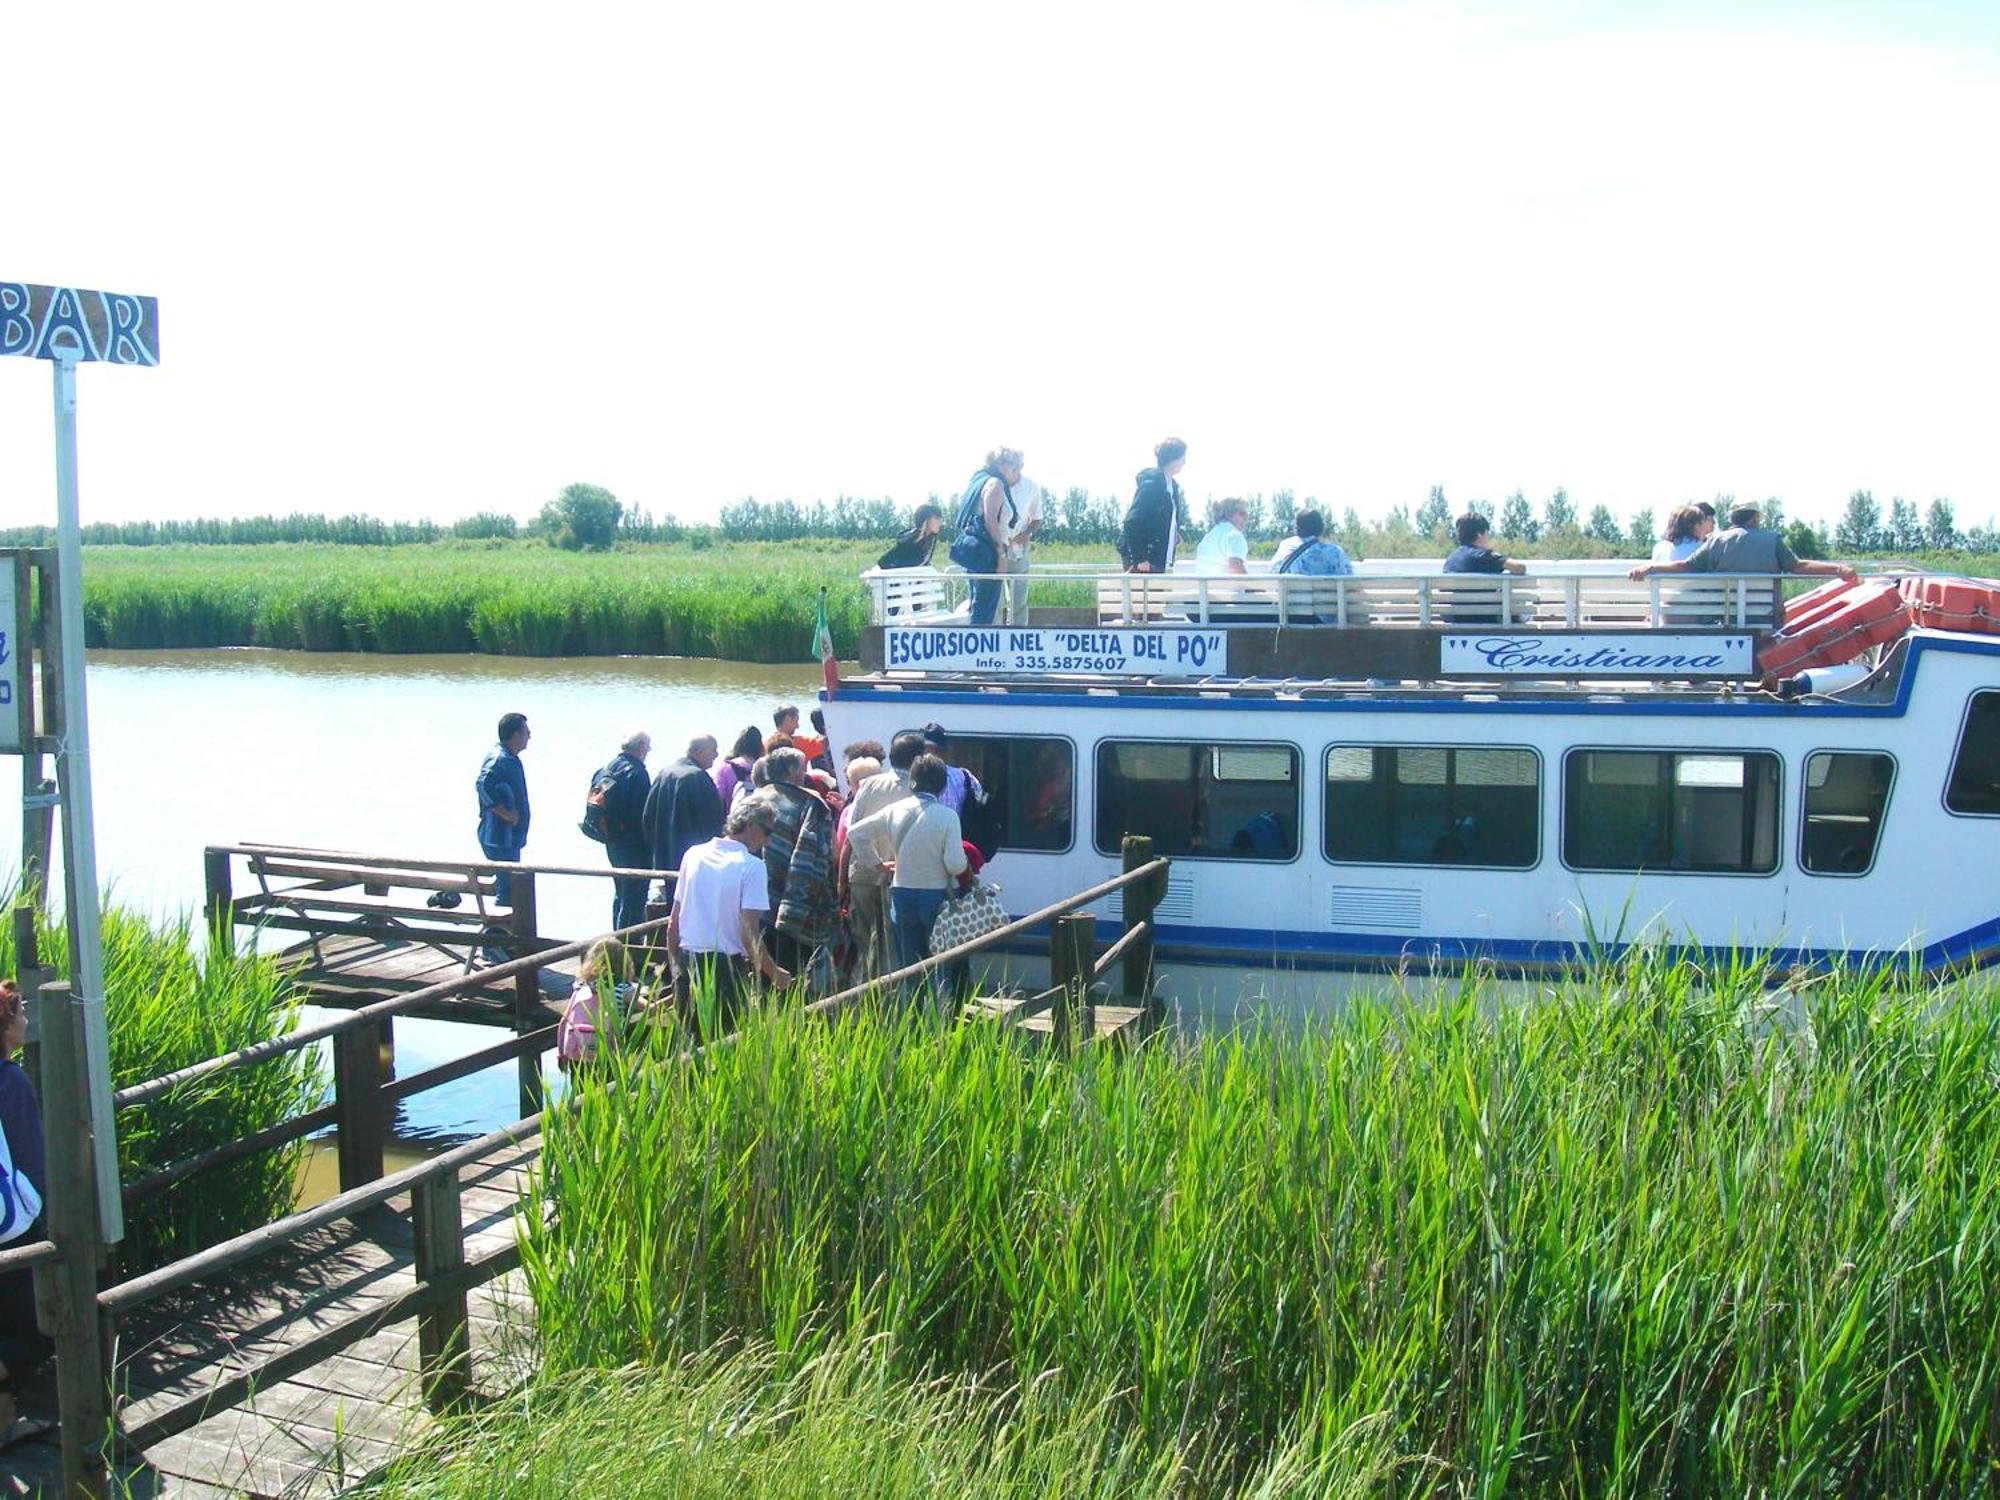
1352 532
1774 513
1517 521
1433 517
1640 532
1559 514
1804 541
1905 532
584 517
1860 527
1941 527
487 524
1603 526
1397 532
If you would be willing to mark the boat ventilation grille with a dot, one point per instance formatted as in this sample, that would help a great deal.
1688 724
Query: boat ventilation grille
1176 906
1377 906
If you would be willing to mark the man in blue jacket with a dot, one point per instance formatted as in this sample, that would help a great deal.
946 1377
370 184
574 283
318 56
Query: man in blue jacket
1152 523
502 785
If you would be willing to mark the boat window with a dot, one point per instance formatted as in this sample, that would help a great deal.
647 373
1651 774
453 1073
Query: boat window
1671 811
1030 788
1199 800
1432 805
1975 771
1846 794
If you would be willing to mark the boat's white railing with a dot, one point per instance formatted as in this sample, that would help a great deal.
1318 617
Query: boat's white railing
1743 601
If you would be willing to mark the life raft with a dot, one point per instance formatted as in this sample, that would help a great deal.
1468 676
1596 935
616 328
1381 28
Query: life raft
1953 603
1834 624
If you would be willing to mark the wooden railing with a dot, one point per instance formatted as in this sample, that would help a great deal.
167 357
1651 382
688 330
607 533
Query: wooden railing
86 1320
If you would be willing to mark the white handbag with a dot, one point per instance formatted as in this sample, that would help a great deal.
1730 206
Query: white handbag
965 917
20 1204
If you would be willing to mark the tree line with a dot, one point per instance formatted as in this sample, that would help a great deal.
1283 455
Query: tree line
588 517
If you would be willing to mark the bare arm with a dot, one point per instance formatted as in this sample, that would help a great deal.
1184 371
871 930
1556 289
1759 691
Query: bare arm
1822 569
1646 570
1514 567
990 500
752 928
1234 565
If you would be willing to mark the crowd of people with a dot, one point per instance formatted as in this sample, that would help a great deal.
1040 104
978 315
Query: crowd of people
1001 510
785 872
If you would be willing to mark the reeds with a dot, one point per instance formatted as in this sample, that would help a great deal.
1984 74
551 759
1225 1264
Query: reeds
1657 1231
749 603
169 1004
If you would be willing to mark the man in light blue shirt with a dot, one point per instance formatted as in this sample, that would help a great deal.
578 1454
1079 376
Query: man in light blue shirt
1225 548
1309 552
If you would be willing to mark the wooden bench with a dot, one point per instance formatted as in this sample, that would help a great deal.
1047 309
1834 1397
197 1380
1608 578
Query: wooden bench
1286 599
909 596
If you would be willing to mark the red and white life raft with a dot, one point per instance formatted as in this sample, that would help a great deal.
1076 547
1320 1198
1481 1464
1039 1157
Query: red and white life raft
1834 624
1953 603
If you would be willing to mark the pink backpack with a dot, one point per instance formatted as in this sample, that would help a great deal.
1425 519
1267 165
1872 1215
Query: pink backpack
576 1033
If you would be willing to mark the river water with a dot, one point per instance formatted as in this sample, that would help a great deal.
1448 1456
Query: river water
377 754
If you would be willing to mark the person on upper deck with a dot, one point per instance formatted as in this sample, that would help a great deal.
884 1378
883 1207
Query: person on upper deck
1151 532
986 516
1028 500
1474 552
1308 553
913 547
1744 546
1687 528
1225 549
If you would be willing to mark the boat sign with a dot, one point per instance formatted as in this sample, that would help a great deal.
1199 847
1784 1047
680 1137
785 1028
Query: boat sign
54 322
1502 653
1141 652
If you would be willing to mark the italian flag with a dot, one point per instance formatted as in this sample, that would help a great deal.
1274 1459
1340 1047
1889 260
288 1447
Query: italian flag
823 648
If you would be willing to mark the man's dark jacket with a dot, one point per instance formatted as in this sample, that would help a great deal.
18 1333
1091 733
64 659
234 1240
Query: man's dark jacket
683 809
1149 522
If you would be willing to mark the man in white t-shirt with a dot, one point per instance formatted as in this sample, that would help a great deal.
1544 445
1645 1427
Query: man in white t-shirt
1225 549
1028 501
716 930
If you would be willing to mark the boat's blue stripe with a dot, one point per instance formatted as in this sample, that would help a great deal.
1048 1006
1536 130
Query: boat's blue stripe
1237 947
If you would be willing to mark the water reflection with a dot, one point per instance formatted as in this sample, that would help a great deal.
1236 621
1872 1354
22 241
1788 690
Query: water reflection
377 754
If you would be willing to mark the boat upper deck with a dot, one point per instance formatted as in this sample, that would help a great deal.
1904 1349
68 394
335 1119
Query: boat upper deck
1391 627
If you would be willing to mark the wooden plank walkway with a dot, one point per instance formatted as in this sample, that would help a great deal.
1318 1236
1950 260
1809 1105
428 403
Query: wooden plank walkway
348 971
328 1426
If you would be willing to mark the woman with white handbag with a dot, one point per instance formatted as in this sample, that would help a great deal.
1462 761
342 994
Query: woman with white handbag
23 1181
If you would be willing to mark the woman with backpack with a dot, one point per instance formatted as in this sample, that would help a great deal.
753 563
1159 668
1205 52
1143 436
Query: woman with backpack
732 774
987 515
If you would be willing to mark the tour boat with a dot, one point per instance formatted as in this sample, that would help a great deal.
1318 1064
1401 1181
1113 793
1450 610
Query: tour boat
1408 770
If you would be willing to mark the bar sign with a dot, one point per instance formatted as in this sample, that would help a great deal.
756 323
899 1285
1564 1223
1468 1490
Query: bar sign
58 322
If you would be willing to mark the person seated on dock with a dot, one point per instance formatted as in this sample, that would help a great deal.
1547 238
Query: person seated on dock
1746 547
1225 549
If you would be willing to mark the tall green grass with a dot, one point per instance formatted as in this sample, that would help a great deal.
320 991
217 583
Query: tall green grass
1641 1236
748 603
744 1425
170 1003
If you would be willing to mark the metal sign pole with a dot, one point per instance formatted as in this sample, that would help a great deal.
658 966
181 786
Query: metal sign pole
86 944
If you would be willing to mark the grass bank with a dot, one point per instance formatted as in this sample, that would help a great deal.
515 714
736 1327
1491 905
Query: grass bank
1632 1239
752 602
169 1005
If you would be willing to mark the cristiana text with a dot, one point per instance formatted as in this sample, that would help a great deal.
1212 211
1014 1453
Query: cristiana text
1510 653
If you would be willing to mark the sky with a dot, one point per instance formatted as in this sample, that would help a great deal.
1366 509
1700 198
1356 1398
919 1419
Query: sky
427 260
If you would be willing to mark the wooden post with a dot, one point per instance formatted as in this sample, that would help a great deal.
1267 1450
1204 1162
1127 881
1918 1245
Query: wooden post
1141 896
527 990
361 1119
443 1348
29 973
37 791
220 903
66 1289
1072 951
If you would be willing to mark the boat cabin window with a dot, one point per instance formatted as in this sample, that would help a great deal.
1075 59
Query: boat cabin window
1975 771
1030 788
1846 795
1433 805
1199 801
1671 811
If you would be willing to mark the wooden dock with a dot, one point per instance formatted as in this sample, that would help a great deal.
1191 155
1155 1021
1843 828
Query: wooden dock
347 971
334 1421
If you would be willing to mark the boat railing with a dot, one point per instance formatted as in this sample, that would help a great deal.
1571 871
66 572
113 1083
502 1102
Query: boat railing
1426 601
